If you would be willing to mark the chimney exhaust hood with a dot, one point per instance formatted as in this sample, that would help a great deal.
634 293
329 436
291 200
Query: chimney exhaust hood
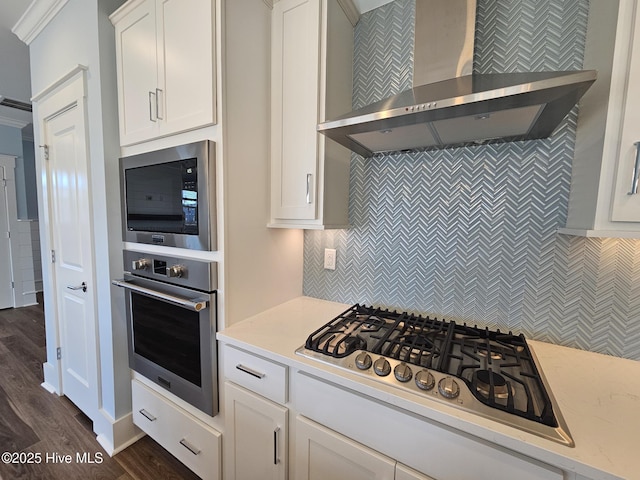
452 107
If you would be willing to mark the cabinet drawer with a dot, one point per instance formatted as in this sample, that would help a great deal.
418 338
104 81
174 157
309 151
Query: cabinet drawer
258 374
192 442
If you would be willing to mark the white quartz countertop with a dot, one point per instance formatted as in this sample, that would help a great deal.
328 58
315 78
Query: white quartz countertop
598 395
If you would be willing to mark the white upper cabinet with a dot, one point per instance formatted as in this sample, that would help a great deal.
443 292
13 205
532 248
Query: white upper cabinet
311 80
165 65
603 202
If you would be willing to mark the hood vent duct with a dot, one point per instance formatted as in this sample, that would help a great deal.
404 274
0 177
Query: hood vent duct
17 104
450 106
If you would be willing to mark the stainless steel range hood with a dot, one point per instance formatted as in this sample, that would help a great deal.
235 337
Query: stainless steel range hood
450 107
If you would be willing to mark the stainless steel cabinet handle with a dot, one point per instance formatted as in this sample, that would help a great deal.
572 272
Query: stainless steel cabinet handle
188 446
195 305
159 104
152 101
147 415
275 445
636 172
309 178
250 371
82 286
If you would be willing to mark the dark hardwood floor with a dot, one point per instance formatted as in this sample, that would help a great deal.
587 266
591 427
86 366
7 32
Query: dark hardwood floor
43 431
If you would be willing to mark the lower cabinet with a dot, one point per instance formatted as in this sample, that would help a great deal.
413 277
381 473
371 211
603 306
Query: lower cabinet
256 438
391 433
194 443
324 454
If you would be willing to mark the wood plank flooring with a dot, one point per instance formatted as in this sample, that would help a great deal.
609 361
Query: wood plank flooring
39 425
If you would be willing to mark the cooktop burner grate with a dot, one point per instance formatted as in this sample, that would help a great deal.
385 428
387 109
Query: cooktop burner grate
497 368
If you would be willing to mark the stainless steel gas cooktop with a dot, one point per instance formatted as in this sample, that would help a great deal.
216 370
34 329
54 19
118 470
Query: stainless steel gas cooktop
489 373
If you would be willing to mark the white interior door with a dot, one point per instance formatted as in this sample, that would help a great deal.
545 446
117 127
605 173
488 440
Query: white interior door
73 270
6 277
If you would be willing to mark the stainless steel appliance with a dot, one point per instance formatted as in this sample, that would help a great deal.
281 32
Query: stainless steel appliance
168 197
171 324
448 104
486 372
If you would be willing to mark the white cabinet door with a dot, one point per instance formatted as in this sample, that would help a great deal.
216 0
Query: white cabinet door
294 82
137 73
322 454
165 63
626 200
256 437
311 78
186 88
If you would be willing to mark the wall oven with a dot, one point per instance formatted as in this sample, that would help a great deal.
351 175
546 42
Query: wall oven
171 324
168 197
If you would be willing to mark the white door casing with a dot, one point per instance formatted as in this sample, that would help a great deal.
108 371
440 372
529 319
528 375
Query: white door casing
62 117
6 270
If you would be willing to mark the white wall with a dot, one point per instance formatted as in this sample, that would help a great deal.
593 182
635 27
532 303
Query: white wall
82 34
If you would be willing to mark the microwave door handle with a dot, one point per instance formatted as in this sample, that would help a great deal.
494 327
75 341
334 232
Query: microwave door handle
195 305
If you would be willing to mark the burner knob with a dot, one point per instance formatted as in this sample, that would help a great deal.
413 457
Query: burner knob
424 380
363 361
448 388
402 372
141 264
381 367
176 271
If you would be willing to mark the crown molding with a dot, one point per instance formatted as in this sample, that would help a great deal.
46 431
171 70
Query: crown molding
36 18
12 122
350 10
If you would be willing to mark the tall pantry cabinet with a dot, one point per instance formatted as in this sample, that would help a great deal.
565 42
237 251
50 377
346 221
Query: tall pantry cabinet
225 44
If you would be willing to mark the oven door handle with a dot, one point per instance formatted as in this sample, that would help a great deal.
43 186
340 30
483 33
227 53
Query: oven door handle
195 305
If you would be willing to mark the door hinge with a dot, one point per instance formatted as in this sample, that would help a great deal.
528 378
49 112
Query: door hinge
13 285
53 256
46 151
4 182
59 353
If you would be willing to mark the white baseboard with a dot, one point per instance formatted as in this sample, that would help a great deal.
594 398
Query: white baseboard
51 377
116 435
48 387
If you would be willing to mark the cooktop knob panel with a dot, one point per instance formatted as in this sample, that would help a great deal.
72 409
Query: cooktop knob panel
402 372
363 361
448 388
381 367
425 380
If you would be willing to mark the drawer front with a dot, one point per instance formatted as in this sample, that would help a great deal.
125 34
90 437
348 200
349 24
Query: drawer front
192 442
258 374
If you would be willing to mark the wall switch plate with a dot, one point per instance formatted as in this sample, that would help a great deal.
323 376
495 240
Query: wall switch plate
330 258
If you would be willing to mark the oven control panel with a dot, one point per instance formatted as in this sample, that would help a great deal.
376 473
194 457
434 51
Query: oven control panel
187 272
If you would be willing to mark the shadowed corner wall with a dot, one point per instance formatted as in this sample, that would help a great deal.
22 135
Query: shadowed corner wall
471 233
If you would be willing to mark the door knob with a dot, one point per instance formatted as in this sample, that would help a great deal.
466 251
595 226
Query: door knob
82 287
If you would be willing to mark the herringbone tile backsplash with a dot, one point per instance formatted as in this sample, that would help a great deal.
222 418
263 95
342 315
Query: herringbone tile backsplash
470 233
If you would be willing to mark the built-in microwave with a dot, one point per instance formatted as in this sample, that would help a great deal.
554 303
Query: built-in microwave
168 197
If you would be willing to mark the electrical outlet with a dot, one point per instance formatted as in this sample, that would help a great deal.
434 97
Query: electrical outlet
330 258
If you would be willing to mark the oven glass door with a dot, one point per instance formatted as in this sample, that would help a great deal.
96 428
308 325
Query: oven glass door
167 335
171 336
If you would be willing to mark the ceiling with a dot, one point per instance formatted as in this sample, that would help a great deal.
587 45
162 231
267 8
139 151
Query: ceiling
15 79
